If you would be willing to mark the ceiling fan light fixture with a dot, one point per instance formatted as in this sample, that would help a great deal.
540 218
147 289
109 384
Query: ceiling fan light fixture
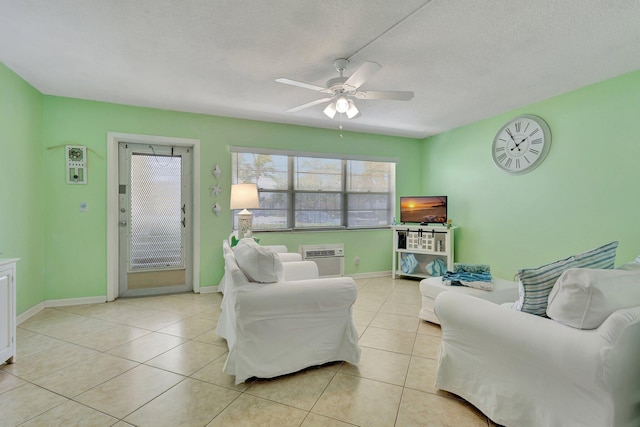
352 111
330 110
342 105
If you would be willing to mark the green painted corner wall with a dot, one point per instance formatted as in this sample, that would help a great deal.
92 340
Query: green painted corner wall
75 245
583 195
21 185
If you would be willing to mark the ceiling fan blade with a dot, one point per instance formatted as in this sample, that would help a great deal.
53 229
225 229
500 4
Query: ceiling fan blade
308 104
392 95
362 74
302 84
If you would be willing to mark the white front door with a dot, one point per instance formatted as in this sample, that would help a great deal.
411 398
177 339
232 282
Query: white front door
155 218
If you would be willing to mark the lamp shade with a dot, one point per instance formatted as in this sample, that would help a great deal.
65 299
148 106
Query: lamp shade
244 196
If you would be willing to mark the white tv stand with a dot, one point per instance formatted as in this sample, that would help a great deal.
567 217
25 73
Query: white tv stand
426 243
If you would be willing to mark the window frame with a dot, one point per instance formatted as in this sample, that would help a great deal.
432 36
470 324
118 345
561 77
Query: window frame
291 192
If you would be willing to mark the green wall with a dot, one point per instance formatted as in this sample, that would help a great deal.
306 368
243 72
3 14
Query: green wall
21 185
76 241
586 192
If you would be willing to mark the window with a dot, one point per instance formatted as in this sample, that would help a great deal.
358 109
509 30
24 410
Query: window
303 191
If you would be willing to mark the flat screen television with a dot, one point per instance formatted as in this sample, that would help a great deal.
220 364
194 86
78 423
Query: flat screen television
423 209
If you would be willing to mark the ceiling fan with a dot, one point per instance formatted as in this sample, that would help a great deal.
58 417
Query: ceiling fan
342 90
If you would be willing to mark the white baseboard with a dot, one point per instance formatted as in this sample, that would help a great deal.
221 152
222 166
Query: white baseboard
58 303
30 313
75 301
370 275
208 289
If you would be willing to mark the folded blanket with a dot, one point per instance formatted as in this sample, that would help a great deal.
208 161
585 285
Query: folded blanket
470 268
472 276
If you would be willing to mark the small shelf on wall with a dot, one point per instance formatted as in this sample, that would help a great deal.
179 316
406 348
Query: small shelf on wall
416 246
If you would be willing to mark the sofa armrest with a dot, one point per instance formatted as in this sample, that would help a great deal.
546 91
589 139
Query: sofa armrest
295 297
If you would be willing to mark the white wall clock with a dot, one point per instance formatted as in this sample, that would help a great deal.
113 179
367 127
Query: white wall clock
521 144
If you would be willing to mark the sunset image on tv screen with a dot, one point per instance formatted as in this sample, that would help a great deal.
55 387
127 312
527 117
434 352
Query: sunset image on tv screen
423 209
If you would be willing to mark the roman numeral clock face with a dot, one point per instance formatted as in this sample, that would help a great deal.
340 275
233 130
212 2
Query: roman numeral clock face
521 145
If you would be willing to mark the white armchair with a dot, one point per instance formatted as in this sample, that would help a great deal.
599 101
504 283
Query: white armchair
529 371
278 328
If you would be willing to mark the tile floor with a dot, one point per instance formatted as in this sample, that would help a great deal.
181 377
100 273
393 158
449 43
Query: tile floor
157 361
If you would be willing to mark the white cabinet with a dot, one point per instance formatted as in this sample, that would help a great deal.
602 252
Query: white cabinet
7 310
415 247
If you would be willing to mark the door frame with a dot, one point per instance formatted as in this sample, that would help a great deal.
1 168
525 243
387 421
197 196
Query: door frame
113 238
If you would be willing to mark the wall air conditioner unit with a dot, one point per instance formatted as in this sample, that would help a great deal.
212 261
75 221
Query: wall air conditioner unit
330 258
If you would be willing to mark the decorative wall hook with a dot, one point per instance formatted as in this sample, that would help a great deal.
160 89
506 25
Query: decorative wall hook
216 208
216 171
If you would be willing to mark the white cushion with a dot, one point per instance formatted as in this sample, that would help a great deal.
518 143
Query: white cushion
259 264
583 298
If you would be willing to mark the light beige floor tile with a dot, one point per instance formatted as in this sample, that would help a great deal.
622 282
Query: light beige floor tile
25 402
8 381
395 322
359 401
22 333
84 374
426 409
187 358
428 328
51 319
251 411
300 390
211 337
112 337
380 365
386 339
368 303
402 309
127 392
315 420
422 374
190 403
35 343
83 330
146 347
409 298
213 373
360 329
362 317
190 327
123 424
39 364
427 346
71 414
155 320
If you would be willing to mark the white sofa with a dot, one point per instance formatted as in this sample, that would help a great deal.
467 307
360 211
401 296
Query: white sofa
299 321
530 371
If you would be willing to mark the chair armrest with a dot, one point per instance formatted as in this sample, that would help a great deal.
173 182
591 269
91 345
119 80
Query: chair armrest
289 256
278 248
300 270
294 297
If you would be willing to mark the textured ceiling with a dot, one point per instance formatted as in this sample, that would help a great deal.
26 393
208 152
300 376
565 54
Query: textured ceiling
464 59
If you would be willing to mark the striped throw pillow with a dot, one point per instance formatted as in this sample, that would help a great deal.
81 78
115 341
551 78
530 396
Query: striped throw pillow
535 284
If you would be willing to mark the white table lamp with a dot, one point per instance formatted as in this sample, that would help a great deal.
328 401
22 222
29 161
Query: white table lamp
244 196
